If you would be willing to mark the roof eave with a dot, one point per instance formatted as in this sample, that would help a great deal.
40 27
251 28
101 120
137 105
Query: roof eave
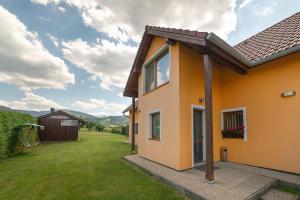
213 38
250 64
274 56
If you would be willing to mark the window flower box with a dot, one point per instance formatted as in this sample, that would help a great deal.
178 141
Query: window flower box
234 133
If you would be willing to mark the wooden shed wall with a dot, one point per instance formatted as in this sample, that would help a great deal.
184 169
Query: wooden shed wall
53 130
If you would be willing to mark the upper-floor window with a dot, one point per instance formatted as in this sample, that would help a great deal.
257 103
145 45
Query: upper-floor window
158 71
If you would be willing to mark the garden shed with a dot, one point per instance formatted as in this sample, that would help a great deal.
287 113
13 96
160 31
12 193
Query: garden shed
59 126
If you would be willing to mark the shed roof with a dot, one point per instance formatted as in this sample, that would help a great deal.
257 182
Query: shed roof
62 113
279 40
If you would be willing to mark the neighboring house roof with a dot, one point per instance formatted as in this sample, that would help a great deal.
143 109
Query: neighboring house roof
62 113
279 37
129 108
263 47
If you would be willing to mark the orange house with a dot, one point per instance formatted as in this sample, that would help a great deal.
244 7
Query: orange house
197 94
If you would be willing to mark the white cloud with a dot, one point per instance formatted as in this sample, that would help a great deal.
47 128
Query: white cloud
105 60
61 9
53 39
109 62
45 19
245 3
91 105
116 107
99 114
126 19
31 101
99 106
267 10
120 94
45 2
23 59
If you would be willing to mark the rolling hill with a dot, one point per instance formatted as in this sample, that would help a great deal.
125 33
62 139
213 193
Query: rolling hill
107 120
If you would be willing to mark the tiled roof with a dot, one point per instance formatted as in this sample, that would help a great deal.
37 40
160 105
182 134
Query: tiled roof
279 37
182 32
251 52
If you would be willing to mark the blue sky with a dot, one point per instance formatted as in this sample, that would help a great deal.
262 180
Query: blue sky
77 54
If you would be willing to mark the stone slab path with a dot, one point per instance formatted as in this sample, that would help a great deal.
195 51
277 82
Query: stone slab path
278 195
230 183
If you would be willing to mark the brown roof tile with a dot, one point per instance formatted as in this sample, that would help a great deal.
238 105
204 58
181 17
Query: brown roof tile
279 37
193 33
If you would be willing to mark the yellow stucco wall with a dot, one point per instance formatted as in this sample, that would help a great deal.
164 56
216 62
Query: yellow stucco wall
191 86
272 121
165 99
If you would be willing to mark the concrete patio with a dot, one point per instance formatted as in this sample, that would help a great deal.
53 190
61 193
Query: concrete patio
232 181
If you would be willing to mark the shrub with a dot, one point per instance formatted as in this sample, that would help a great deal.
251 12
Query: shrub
107 129
116 130
9 136
125 130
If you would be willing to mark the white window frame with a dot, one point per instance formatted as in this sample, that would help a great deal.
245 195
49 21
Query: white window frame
244 119
150 60
69 120
149 135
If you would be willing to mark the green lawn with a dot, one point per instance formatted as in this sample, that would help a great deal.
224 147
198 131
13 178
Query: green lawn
289 190
91 168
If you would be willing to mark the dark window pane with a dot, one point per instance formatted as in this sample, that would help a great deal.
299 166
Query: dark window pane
136 128
156 125
233 124
163 68
68 122
149 83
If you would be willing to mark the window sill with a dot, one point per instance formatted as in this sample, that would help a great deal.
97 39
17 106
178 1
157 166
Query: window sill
156 88
233 137
154 139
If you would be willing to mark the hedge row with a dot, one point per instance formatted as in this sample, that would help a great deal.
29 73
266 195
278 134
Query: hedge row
8 121
123 130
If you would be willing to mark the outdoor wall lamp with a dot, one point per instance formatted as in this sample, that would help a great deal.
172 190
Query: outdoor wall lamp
201 100
288 93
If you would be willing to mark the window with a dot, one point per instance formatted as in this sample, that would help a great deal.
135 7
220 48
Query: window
234 123
157 72
150 76
68 122
154 126
136 128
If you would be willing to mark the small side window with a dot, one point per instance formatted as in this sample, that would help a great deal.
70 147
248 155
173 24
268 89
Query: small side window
234 123
68 122
154 126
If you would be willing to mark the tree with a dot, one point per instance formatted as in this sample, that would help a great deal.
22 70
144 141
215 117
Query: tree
90 125
99 127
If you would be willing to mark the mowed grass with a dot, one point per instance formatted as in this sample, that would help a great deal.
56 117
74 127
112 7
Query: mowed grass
91 168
